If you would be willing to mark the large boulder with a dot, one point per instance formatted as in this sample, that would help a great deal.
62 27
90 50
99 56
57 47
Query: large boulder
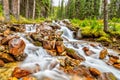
19 73
6 39
16 46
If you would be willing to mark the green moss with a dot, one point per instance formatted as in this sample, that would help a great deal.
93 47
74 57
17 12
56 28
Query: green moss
112 77
86 32
37 43
69 50
104 39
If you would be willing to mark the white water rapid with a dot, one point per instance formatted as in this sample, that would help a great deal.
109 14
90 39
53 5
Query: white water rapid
41 64
93 60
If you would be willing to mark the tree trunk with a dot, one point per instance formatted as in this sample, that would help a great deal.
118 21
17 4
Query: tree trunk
27 9
16 8
106 15
33 15
6 10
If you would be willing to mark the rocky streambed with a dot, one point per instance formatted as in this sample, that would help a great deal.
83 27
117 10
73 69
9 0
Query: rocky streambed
48 51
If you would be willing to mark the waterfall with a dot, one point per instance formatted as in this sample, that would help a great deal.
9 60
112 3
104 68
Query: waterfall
93 60
38 57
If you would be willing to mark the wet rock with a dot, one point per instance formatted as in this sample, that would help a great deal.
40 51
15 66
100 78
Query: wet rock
19 73
53 65
6 32
112 61
78 34
71 62
67 63
55 26
103 53
93 45
16 46
2 63
6 39
20 57
52 52
90 52
35 36
72 53
85 49
49 44
6 57
60 47
66 21
117 66
2 48
107 76
37 43
94 72
81 71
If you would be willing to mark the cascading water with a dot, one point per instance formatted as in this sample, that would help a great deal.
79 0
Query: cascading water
30 27
93 60
40 63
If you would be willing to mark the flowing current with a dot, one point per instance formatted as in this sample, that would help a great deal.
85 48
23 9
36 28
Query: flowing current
40 59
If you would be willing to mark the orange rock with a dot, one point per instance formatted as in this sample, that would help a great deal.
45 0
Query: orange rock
6 39
12 78
60 49
16 46
29 78
19 73
6 57
112 60
89 78
88 53
2 63
60 46
117 66
52 52
49 44
85 49
93 45
6 32
103 54
94 72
